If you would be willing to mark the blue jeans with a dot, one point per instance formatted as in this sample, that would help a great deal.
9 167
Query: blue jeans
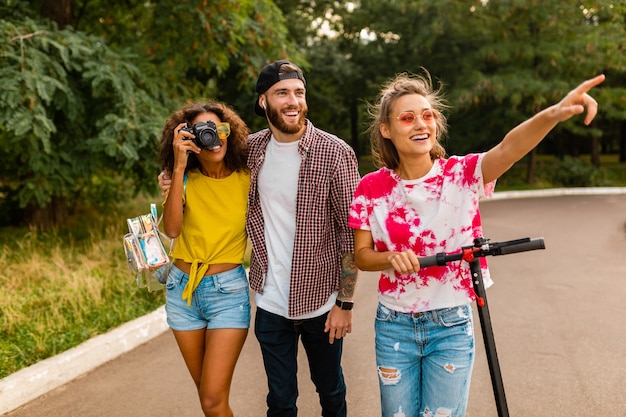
424 361
278 337
221 301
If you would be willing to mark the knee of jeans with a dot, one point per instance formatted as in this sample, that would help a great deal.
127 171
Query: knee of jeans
389 375
439 412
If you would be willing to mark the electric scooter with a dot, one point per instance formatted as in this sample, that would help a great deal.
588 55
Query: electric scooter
481 248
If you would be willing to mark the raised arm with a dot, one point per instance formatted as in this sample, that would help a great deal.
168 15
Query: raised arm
173 207
525 136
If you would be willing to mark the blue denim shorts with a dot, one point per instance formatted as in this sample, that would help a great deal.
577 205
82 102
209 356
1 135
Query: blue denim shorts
221 301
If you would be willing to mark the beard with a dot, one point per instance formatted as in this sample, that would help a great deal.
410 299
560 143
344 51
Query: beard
276 119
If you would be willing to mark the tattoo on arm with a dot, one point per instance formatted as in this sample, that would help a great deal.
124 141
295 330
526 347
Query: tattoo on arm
348 277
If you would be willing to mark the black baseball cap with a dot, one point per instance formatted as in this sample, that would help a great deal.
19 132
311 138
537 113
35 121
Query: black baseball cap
269 76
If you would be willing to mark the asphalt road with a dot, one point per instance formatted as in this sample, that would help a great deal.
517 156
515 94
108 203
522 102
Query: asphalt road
557 316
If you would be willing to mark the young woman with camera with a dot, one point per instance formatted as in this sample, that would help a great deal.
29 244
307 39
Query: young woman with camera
203 148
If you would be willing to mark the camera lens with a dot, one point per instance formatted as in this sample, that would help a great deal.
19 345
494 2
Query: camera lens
206 135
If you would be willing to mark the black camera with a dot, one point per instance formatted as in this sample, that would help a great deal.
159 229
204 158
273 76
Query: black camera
205 133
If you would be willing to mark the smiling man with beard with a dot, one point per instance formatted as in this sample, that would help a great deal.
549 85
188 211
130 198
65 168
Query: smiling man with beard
302 267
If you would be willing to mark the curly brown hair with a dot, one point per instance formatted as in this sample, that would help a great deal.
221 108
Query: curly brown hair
237 150
384 152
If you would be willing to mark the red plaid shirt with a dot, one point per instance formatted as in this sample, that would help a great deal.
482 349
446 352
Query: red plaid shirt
328 177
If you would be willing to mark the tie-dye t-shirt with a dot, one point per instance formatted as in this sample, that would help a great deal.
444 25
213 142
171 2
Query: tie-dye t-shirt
436 213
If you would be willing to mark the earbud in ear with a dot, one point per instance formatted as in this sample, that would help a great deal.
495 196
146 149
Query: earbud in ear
263 106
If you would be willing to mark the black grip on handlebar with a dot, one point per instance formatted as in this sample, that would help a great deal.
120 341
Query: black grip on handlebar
428 261
498 248
532 244
439 259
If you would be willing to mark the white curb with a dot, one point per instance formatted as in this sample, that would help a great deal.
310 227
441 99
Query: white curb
29 383
556 192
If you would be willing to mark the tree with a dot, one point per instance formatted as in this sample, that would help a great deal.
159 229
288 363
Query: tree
74 114
200 48
540 50
500 61
81 110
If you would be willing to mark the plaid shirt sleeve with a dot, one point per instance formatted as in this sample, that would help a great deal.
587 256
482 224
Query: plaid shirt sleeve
255 225
341 195
328 178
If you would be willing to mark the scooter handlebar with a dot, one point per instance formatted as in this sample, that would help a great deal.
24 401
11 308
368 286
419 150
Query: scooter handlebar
502 248
533 244
427 261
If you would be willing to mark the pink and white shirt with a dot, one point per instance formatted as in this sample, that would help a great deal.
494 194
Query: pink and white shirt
436 213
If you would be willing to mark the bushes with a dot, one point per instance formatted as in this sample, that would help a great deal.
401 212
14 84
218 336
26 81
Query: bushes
567 172
572 172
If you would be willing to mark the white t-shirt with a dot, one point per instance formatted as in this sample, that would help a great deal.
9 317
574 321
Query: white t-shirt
436 213
278 188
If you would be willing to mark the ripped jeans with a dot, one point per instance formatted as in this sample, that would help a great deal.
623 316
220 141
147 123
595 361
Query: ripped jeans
424 361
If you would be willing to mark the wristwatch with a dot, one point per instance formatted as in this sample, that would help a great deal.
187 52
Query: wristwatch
344 305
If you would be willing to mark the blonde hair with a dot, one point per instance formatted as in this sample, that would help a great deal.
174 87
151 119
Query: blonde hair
384 152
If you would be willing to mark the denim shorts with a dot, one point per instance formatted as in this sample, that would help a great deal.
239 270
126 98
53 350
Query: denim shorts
221 301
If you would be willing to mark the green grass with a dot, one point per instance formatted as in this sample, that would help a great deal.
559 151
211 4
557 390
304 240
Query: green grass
59 290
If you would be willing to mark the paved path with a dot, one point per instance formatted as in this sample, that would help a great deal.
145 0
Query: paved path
557 316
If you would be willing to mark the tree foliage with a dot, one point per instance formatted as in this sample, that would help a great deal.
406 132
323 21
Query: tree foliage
539 50
87 84
192 42
74 113
82 105
500 61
